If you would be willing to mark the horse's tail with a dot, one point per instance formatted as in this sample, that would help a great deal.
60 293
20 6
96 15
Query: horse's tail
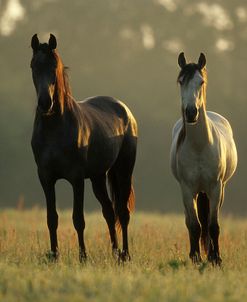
115 187
203 215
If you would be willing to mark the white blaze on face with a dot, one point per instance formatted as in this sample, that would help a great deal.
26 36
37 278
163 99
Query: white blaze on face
190 92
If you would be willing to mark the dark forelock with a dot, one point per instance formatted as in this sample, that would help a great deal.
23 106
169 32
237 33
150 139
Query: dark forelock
188 72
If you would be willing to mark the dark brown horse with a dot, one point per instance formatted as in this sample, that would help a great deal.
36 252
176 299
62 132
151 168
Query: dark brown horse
71 140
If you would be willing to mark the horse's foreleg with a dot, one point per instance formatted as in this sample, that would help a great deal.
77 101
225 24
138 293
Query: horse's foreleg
78 216
52 216
216 199
192 224
100 191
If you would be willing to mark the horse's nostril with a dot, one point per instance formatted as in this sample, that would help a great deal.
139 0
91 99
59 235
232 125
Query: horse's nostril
191 110
44 102
191 113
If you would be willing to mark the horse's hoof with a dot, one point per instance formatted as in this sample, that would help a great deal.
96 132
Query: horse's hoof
52 256
196 258
218 261
116 253
215 260
82 256
124 256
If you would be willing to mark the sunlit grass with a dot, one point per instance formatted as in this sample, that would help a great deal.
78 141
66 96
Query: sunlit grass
159 271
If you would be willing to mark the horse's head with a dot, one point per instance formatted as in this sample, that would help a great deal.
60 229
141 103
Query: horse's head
44 65
192 79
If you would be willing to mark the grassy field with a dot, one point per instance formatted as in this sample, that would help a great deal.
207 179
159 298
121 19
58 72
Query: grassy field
159 271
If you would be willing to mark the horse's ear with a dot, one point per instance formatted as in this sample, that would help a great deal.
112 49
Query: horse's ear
201 61
181 60
35 42
52 42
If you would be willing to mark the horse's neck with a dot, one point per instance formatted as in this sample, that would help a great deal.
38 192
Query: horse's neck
199 134
56 118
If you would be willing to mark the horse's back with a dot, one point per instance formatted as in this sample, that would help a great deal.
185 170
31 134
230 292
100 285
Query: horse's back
223 133
110 113
221 123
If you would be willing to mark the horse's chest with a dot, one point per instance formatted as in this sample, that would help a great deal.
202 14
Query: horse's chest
52 153
198 169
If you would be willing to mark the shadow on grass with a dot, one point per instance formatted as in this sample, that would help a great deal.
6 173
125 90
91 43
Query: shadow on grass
176 264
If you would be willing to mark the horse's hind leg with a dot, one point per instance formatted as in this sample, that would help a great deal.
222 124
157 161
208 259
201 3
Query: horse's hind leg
192 224
100 191
121 173
122 211
120 180
78 216
52 216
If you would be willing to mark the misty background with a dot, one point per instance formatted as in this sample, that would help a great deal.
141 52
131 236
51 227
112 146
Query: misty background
126 49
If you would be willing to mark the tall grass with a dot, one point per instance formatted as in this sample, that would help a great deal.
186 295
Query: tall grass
159 271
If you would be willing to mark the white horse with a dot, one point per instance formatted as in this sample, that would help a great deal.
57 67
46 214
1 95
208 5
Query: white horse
203 159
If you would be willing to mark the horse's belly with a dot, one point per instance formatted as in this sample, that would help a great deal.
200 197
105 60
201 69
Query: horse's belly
95 159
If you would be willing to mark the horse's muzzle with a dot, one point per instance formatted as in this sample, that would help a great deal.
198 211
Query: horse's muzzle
45 104
191 114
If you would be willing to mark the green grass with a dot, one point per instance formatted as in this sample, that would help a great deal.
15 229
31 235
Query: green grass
159 271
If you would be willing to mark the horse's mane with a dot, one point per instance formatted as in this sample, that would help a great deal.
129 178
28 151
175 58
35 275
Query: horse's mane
84 115
62 85
186 74
66 100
